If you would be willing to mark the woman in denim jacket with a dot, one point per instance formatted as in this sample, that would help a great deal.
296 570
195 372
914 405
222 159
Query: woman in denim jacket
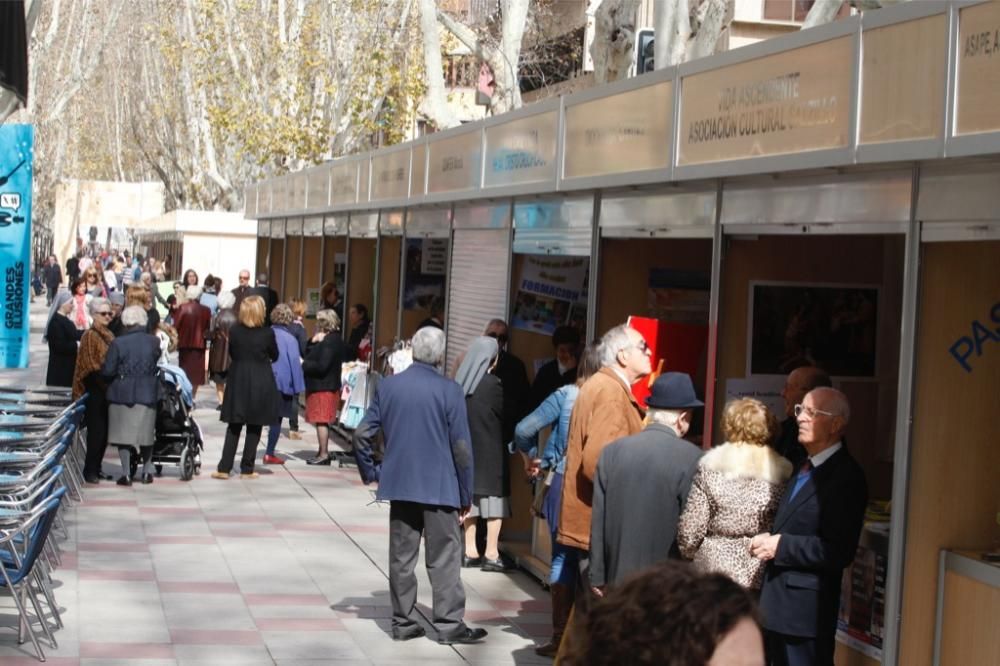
555 411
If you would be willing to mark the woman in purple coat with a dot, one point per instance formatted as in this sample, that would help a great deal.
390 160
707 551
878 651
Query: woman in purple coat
287 375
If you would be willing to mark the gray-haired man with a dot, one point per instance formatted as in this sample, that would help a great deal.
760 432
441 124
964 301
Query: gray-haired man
426 476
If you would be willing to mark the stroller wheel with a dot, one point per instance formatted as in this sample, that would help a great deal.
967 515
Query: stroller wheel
159 470
187 464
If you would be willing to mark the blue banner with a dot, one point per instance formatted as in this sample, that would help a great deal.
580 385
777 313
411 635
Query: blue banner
15 242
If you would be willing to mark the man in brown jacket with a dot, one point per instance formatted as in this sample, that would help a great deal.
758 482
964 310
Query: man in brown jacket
604 411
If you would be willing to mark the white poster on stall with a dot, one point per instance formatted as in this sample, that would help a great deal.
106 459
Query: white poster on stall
765 388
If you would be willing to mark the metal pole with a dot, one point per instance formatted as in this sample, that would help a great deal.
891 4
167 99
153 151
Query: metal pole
402 278
595 268
904 421
713 320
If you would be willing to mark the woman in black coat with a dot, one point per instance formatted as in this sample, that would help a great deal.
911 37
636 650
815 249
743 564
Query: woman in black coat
130 370
62 337
325 354
251 397
491 482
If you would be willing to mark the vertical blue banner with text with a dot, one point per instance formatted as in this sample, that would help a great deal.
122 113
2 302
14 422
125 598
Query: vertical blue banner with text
15 242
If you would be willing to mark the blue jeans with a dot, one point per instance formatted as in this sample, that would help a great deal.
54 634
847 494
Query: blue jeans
273 433
563 568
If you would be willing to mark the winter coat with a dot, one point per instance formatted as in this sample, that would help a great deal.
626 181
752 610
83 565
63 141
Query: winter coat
604 411
484 407
287 368
192 321
734 496
62 337
218 355
251 393
130 367
321 366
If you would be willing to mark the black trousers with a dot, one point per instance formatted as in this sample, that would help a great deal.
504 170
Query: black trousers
785 650
249 448
442 557
97 426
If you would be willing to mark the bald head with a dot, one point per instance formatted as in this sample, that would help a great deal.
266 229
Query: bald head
833 401
799 382
823 418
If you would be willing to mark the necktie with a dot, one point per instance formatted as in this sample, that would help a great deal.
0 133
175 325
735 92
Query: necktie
804 473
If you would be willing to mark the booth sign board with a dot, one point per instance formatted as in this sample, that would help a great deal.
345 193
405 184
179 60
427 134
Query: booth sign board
903 84
619 134
453 163
250 201
522 151
318 195
418 169
335 225
344 183
279 202
977 99
297 191
391 175
312 227
790 102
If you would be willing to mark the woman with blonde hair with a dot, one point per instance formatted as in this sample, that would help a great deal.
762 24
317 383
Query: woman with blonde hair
325 355
735 494
251 398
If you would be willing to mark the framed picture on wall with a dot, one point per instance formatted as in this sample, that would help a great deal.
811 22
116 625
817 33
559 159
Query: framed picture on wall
791 324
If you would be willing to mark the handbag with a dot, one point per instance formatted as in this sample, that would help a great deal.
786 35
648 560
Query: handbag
541 492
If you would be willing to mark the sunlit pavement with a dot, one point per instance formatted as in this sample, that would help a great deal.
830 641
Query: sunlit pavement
290 568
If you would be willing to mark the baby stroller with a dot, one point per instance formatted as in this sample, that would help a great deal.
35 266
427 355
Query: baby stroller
178 439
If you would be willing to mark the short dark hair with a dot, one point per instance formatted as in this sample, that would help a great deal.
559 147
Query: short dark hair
361 309
565 335
667 615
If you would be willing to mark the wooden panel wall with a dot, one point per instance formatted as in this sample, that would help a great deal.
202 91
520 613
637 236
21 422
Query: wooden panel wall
293 262
971 609
625 264
361 283
954 492
312 247
277 267
388 291
830 259
334 246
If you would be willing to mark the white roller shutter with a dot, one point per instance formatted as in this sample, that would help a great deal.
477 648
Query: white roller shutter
479 286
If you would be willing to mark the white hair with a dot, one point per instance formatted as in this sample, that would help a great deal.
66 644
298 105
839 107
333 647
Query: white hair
193 293
613 342
226 300
428 345
833 401
97 303
134 315
667 417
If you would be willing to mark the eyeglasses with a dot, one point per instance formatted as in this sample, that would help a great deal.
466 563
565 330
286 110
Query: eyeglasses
642 346
104 313
810 412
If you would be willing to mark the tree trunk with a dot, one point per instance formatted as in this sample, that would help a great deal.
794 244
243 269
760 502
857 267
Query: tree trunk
822 11
435 102
613 50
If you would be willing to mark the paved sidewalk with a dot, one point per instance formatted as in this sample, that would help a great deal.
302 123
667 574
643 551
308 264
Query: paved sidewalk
290 568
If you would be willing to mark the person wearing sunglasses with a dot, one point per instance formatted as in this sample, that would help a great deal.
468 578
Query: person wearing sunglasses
87 379
814 536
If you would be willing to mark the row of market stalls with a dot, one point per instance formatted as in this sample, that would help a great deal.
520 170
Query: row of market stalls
831 197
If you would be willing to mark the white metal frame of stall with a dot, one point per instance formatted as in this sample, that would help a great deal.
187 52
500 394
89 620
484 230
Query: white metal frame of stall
861 177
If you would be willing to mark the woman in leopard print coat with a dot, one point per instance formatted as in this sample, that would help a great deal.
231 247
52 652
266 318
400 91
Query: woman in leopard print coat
734 495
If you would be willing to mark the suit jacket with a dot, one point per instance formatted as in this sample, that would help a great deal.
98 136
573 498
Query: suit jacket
641 486
605 410
428 454
270 297
819 529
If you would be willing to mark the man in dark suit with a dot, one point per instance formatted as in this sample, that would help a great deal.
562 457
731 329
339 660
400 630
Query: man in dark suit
815 535
427 477
269 295
641 486
799 382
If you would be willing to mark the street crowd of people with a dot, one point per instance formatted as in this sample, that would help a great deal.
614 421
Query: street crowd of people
768 520
662 552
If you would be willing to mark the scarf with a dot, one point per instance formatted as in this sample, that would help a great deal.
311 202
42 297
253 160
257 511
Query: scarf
80 311
476 363
90 357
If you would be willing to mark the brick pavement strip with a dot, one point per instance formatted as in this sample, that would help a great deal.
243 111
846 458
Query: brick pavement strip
288 568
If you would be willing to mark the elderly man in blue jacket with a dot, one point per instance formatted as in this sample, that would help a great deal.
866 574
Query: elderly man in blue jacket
426 476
